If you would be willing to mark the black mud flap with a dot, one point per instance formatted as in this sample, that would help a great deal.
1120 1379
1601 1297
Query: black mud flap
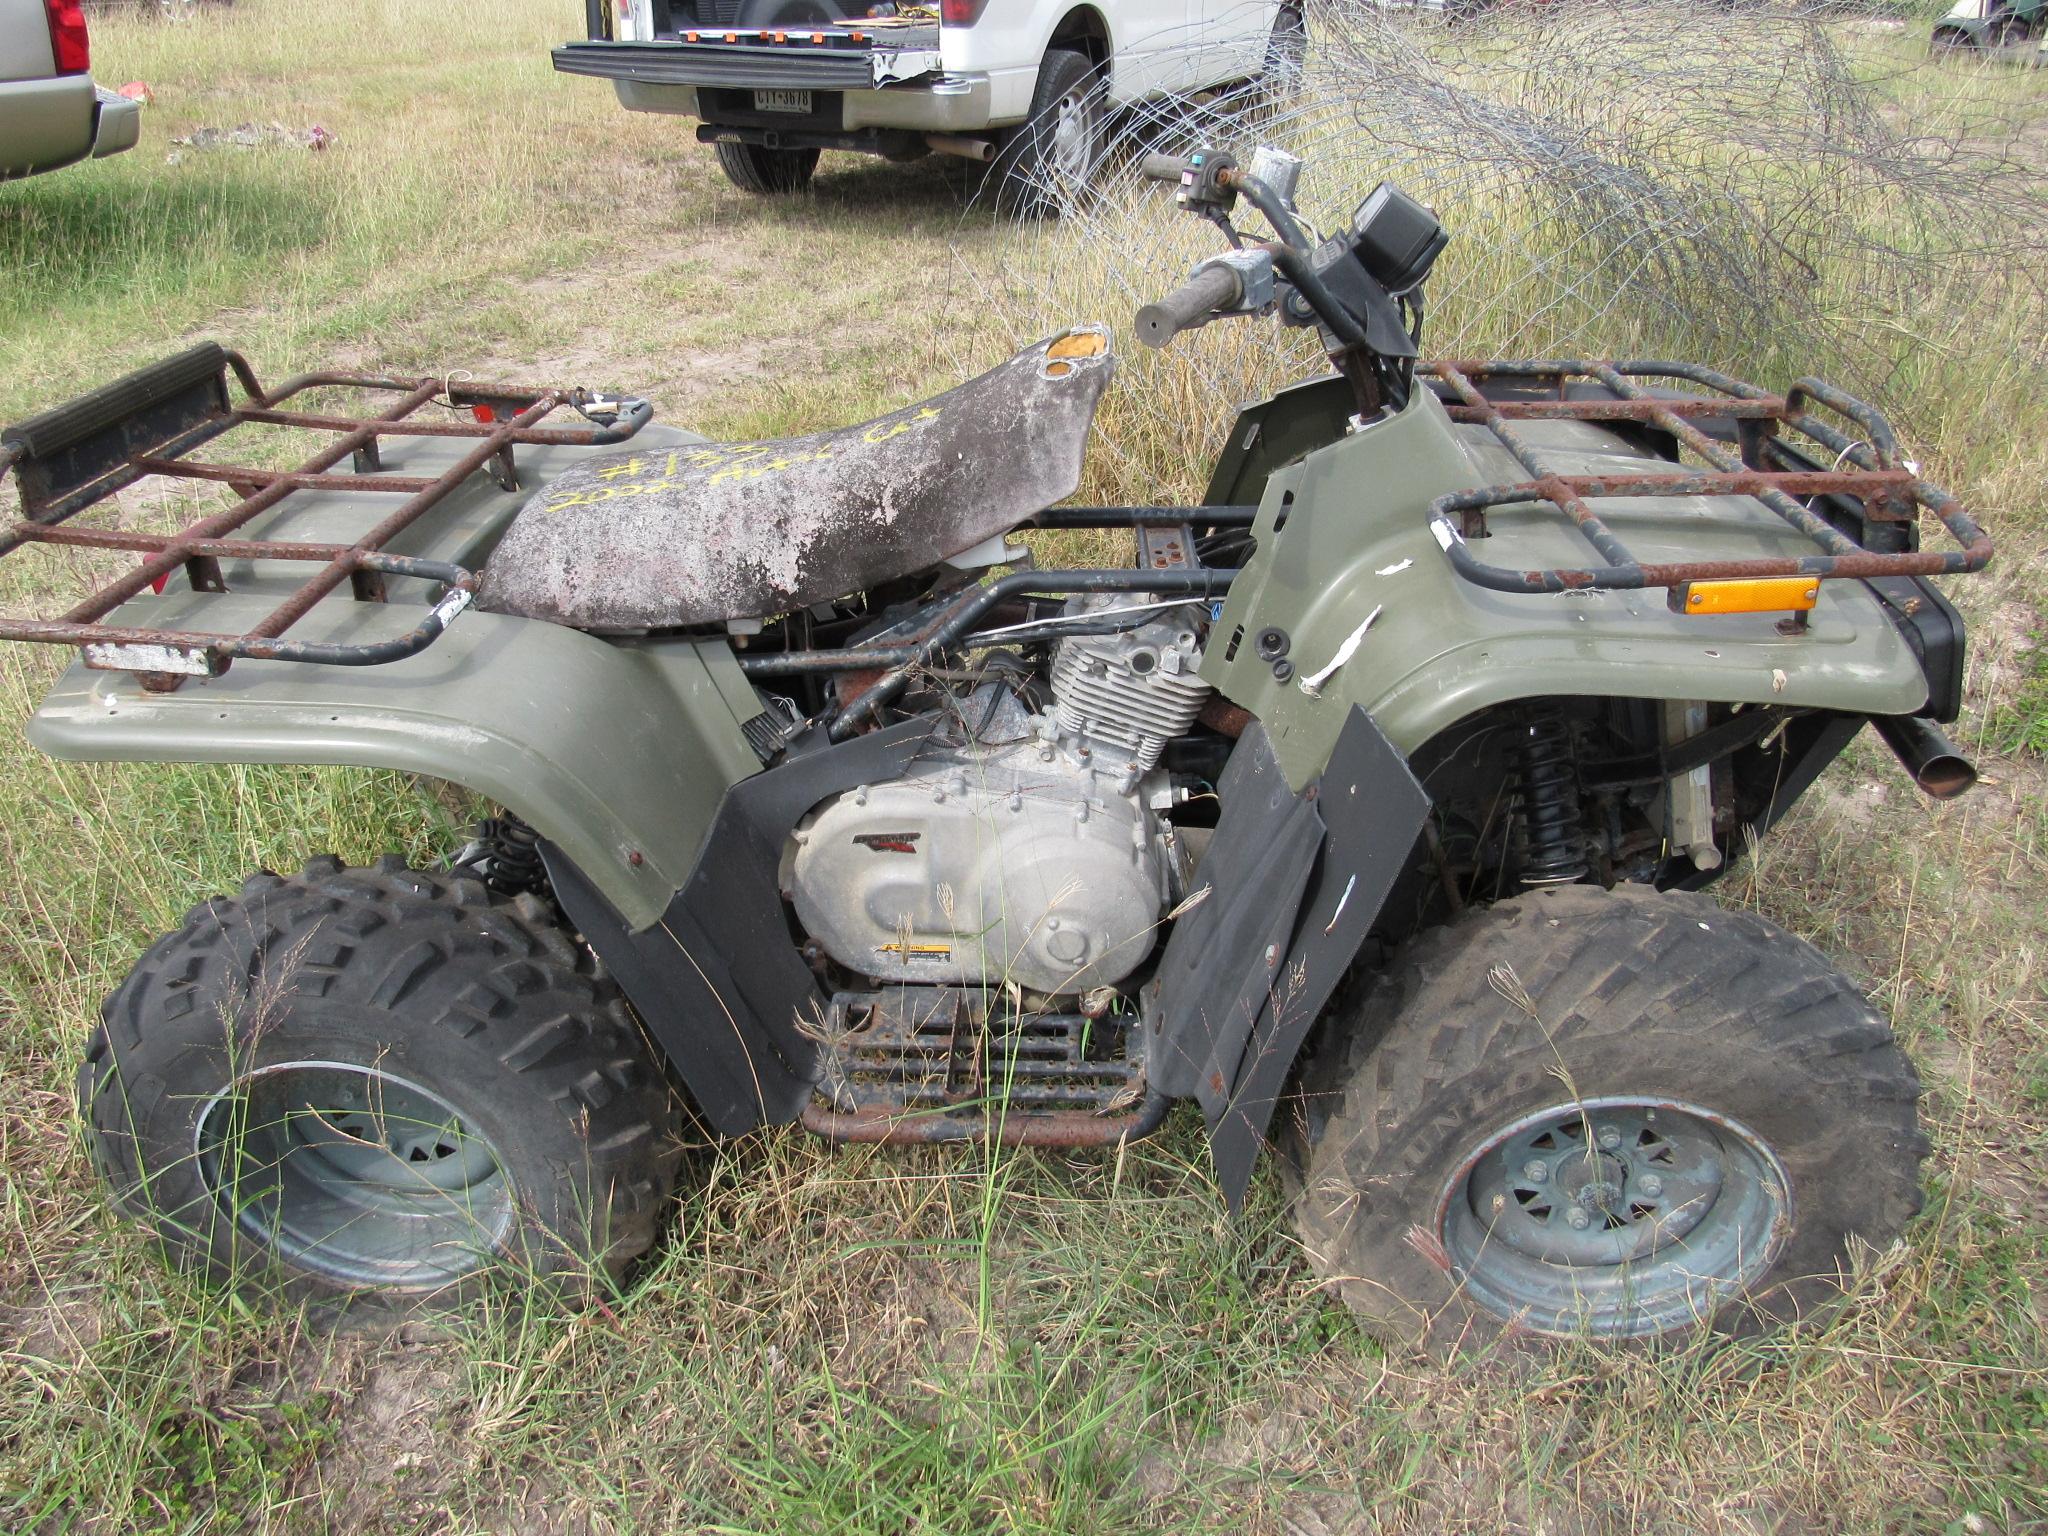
1295 883
718 980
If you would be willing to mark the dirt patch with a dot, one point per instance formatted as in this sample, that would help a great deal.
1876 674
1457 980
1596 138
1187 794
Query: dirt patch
396 1441
60 1328
1857 804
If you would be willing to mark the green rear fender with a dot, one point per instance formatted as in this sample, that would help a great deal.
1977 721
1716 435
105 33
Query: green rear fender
1356 540
616 750
619 752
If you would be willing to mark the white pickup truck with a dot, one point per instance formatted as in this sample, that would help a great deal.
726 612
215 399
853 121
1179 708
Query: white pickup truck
51 113
1026 86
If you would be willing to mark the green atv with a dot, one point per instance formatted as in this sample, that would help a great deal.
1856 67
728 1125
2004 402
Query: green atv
1989 24
1367 806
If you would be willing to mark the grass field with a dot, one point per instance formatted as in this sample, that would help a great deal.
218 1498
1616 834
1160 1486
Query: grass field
876 1341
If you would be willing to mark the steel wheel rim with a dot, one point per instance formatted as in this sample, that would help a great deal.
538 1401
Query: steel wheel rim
1072 136
354 1174
1614 1217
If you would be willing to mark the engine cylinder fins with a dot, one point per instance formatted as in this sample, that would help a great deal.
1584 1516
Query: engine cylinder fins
1555 833
1135 691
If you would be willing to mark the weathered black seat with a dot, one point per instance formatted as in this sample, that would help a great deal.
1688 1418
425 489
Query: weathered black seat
657 538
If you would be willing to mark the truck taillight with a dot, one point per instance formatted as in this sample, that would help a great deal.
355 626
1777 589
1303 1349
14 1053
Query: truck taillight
635 23
961 13
67 36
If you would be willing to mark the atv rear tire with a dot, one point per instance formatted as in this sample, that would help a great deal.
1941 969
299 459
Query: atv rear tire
380 1084
1608 1113
768 172
1046 160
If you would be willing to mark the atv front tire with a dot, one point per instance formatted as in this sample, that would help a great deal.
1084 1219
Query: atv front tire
767 172
1618 1114
380 1084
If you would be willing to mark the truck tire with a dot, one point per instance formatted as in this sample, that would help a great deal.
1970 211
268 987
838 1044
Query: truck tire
380 1086
1048 158
1617 1114
1286 55
768 172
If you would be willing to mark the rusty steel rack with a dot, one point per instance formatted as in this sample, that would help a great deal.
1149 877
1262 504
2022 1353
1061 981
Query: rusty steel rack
146 424
1784 455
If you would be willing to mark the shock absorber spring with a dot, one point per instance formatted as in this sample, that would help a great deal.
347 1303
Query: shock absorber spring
506 856
1555 837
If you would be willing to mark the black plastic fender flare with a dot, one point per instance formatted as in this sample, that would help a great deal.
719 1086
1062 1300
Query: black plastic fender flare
717 978
1295 883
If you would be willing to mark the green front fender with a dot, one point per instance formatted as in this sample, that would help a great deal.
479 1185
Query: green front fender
1356 538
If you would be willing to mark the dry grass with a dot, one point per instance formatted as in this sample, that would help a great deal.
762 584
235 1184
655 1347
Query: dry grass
869 1341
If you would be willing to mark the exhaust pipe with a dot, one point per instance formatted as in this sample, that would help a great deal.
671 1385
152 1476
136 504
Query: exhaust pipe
965 148
1929 756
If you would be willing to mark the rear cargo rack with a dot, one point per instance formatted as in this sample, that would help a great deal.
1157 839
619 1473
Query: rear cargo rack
1784 455
148 423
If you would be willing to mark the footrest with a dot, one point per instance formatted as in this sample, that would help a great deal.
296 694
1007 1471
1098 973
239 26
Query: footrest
933 1064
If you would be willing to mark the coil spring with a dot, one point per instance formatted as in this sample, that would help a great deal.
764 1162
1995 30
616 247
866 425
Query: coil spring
509 859
1550 804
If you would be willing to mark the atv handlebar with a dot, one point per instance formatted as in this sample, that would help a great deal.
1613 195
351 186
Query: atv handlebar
1210 289
1156 167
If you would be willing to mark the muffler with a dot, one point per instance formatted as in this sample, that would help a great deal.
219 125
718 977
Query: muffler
1930 757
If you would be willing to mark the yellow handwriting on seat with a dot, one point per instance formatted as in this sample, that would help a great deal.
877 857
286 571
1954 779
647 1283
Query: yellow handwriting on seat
743 461
881 432
623 492
754 469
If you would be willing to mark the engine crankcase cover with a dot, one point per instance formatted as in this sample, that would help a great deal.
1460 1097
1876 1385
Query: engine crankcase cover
983 872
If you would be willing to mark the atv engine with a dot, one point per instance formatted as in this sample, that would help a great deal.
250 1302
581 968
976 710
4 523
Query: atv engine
1031 851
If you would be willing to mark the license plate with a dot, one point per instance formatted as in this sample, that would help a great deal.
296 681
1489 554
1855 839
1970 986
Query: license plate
783 101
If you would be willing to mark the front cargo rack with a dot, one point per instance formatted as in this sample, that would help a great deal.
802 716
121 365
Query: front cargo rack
1821 477
146 424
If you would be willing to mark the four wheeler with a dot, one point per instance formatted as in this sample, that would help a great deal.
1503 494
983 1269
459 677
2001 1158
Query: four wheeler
1989 24
1367 806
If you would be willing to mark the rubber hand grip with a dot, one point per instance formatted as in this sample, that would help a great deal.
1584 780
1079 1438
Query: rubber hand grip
1210 289
1163 167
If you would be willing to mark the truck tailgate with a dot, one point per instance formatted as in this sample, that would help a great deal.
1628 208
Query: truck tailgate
825 59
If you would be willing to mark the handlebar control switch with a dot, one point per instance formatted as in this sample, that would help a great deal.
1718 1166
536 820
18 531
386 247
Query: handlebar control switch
1205 183
1278 170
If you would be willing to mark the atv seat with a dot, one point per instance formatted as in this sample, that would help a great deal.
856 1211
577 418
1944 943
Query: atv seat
719 531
